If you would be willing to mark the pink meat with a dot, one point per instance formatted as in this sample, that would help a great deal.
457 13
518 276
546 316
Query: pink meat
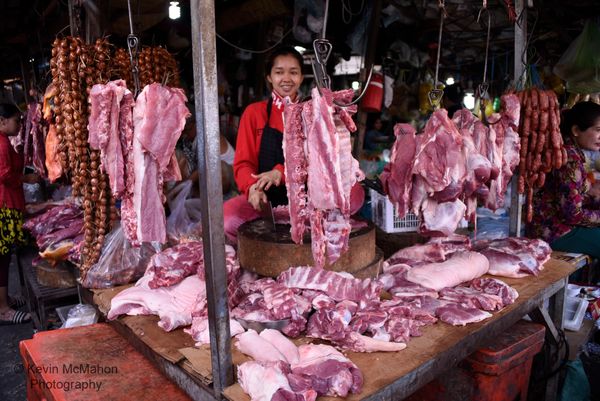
336 285
458 315
397 175
441 219
158 118
174 305
460 267
172 265
104 131
439 159
294 139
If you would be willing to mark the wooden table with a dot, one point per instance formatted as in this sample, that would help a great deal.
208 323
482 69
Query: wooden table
386 375
396 375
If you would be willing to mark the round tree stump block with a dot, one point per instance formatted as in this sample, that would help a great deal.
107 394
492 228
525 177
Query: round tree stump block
269 252
59 276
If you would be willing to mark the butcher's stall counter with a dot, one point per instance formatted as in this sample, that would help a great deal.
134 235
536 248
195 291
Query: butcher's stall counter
393 375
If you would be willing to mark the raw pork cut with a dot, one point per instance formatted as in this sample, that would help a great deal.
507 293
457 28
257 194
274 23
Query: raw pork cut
259 348
267 381
318 154
295 170
174 305
330 372
460 267
458 315
336 285
158 118
397 182
106 132
52 155
514 257
174 264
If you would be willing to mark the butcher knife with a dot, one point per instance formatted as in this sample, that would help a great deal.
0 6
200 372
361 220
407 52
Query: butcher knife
266 211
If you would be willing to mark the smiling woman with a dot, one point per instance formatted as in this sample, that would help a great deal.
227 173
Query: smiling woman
258 164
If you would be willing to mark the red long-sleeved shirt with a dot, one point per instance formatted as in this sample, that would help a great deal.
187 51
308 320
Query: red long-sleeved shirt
11 176
248 140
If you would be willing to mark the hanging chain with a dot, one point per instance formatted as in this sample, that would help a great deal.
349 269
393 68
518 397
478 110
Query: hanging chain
482 91
133 47
435 95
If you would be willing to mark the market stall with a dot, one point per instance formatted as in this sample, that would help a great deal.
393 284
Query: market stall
309 269
393 375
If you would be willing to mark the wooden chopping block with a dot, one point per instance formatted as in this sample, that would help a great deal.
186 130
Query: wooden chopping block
59 276
269 252
374 269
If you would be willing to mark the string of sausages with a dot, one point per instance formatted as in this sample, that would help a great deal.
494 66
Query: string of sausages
76 67
542 148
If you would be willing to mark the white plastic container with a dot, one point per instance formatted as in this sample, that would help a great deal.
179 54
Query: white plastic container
574 312
386 217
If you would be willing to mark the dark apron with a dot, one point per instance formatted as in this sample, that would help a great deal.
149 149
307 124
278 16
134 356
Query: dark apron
270 154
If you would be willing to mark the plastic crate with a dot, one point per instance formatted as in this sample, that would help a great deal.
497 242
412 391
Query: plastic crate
574 312
385 216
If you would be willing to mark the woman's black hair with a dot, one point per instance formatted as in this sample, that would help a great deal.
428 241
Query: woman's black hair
583 115
283 51
8 110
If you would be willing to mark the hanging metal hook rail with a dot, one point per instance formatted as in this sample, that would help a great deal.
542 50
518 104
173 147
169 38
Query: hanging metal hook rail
482 90
435 95
322 48
133 46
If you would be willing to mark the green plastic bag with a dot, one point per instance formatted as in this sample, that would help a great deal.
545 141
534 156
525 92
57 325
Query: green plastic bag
576 386
579 66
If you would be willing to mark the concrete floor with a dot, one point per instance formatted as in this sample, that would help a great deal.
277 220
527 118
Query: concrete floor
12 376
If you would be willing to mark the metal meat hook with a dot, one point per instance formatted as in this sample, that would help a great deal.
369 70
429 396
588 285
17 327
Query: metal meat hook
322 48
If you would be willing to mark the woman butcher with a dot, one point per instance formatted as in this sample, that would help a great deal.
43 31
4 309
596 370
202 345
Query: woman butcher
258 163
568 206
12 203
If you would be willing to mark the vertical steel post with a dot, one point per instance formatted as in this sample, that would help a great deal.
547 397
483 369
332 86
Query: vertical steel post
211 192
516 209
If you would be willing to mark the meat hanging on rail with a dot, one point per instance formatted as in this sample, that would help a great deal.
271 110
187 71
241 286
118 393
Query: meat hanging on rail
542 148
75 68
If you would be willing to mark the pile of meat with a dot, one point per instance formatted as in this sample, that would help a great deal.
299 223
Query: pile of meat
438 280
442 173
280 370
58 232
320 171
136 140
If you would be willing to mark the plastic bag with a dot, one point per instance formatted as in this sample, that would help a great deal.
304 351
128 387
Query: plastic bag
33 193
185 217
81 315
120 262
580 64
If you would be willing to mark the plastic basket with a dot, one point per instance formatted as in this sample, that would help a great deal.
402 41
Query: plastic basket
385 216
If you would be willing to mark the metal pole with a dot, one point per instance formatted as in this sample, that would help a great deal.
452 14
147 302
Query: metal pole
369 60
72 23
207 135
516 208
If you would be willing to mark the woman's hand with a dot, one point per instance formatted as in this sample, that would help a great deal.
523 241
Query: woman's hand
267 179
256 197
